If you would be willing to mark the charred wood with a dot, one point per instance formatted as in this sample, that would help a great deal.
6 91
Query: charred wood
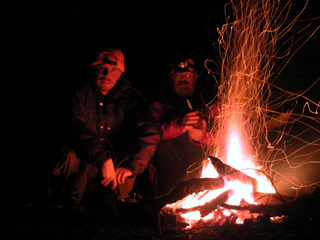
184 189
215 203
231 174
209 206
307 205
271 198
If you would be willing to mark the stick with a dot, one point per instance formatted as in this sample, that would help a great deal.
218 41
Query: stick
215 203
307 205
184 189
231 174
209 206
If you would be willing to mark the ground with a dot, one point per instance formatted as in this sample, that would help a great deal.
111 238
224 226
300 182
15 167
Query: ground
133 221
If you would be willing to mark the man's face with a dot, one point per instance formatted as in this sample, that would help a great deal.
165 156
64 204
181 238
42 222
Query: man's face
107 77
183 83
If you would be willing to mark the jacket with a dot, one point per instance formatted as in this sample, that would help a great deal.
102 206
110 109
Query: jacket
170 110
117 125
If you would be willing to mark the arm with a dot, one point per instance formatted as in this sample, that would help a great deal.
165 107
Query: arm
200 133
143 130
169 131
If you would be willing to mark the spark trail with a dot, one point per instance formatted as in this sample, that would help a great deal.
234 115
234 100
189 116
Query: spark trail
248 52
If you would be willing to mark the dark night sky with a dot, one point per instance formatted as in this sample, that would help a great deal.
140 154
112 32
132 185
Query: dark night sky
63 34
150 35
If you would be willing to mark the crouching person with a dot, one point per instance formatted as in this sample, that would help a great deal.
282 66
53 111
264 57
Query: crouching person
112 133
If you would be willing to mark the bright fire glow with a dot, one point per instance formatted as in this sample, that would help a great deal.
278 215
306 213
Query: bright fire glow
241 191
247 50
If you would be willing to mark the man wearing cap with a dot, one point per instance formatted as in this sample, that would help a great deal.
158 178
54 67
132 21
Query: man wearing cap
183 115
112 134
183 108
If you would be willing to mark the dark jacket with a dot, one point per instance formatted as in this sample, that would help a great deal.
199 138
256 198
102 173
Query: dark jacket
171 109
118 125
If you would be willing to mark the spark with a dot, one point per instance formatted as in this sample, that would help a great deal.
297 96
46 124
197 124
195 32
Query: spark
248 51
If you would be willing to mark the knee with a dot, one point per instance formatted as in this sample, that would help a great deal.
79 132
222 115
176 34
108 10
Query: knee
72 159
69 162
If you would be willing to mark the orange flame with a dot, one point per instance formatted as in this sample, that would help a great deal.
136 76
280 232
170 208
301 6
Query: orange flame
241 191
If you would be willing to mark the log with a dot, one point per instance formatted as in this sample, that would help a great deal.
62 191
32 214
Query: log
208 207
215 203
307 205
184 189
271 198
231 174
271 210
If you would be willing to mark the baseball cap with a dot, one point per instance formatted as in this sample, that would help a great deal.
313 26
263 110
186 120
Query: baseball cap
113 57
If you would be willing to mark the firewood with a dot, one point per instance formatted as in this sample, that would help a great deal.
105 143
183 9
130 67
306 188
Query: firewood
307 205
231 174
184 189
208 207
271 210
215 203
271 198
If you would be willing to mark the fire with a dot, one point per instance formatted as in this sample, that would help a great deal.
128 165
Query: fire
238 160
247 51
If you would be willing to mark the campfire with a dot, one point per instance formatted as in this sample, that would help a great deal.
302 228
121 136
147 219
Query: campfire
247 49
241 187
234 186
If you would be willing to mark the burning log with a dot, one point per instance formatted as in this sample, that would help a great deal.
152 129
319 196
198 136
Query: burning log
214 203
209 206
231 174
308 205
271 198
184 189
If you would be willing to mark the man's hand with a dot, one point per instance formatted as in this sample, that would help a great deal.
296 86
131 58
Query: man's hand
112 176
122 174
195 125
190 120
108 174
197 133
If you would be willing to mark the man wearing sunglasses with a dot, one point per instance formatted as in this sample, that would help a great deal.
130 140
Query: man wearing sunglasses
112 133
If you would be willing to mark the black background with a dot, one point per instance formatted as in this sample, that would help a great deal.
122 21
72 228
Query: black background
53 44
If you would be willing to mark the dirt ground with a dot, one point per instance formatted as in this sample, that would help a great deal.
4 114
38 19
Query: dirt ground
133 221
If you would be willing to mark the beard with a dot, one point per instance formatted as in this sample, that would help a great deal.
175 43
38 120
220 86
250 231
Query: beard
184 89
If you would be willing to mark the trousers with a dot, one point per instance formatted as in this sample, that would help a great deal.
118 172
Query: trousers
76 173
80 177
175 160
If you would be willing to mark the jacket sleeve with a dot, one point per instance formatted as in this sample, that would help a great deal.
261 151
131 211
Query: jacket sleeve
170 130
145 130
80 134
